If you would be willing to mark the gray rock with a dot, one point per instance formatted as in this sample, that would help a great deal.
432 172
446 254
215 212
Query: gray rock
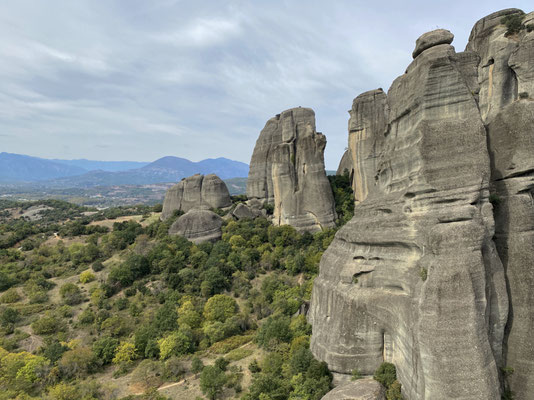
196 191
345 164
287 170
198 225
512 151
431 39
361 389
506 79
242 211
421 183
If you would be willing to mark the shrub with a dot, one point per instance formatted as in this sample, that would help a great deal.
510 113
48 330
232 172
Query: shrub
386 374
355 375
10 296
86 277
124 355
514 23
47 325
423 273
394 391
196 365
71 294
97 266
238 354
274 330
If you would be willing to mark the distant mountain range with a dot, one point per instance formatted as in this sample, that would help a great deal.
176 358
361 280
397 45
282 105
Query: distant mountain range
22 169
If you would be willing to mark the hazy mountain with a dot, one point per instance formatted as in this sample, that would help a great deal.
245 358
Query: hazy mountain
15 168
21 168
111 166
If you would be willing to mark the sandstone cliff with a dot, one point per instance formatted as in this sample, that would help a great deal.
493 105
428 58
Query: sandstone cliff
195 191
198 225
287 170
415 278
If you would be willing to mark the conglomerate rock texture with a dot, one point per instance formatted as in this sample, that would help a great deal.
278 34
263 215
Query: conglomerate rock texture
196 191
423 276
287 170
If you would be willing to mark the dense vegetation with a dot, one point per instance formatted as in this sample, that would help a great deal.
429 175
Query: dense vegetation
94 306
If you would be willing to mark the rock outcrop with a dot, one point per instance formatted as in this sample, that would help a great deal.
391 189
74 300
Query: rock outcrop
287 170
196 191
198 225
415 278
506 79
345 164
361 389
243 211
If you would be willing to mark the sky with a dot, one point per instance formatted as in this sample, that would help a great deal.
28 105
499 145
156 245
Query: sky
138 80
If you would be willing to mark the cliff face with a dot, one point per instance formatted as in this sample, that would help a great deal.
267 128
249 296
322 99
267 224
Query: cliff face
506 78
287 170
415 278
196 191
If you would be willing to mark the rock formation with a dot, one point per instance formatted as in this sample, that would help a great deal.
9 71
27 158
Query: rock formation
198 225
243 211
415 278
287 170
506 78
195 191
345 164
361 389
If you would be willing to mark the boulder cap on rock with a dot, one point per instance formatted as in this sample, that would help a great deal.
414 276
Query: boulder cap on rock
431 39
198 225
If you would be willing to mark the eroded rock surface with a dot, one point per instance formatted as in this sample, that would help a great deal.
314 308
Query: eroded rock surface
506 79
287 170
361 389
414 278
198 225
196 191
345 164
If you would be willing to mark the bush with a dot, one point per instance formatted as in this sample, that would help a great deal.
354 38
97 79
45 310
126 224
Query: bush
355 375
176 344
386 374
514 23
97 266
47 325
273 331
10 296
71 294
86 277
196 365
394 391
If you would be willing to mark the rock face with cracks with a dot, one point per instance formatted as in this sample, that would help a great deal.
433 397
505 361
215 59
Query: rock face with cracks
424 276
506 99
287 170
196 191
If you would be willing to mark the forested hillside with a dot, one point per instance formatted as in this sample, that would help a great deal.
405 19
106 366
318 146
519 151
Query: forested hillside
106 305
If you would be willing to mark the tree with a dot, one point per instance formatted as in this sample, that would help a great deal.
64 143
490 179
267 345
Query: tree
219 308
105 348
124 355
176 344
188 315
212 381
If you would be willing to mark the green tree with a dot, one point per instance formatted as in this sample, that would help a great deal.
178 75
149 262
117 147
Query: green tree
105 348
386 374
177 343
219 308
124 355
212 381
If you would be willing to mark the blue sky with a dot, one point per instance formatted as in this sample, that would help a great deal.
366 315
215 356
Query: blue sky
138 80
